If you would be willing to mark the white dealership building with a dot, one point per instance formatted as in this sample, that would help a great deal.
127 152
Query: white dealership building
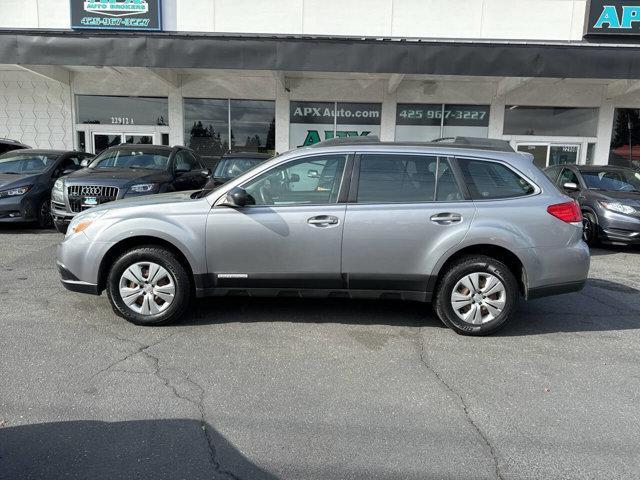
557 78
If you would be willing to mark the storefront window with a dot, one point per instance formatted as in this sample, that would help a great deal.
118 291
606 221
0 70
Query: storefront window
108 110
313 122
551 121
427 122
215 126
625 138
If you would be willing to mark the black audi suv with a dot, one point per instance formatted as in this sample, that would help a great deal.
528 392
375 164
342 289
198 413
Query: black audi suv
126 171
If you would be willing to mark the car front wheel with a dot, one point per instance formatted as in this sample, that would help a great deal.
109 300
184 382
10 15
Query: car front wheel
589 229
476 296
149 286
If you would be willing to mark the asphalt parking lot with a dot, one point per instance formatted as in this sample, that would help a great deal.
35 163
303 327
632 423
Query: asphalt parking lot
302 389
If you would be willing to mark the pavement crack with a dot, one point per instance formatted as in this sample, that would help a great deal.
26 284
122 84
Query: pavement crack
165 375
464 406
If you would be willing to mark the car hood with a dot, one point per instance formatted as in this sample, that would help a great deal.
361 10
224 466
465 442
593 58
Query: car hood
146 201
116 177
628 198
12 181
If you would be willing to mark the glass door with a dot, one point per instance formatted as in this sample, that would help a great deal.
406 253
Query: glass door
540 153
103 140
561 154
548 154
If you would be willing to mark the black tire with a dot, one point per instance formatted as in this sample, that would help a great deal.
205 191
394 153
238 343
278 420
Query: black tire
45 220
590 229
456 272
166 259
61 227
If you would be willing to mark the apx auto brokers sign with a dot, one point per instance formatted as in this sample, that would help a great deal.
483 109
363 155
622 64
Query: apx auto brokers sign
613 17
116 14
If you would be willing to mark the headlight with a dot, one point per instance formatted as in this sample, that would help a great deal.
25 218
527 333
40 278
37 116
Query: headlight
144 187
58 191
618 207
15 192
59 185
81 222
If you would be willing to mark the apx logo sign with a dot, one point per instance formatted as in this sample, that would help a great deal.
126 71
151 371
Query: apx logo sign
613 17
116 8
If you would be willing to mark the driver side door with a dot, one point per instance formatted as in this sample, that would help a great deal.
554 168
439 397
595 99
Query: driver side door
291 237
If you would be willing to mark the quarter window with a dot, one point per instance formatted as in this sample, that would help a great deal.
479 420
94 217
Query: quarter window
307 181
491 180
186 162
405 179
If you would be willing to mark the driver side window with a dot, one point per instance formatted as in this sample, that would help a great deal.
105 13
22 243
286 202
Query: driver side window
305 181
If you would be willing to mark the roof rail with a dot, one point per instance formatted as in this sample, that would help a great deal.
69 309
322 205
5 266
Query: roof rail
348 141
492 143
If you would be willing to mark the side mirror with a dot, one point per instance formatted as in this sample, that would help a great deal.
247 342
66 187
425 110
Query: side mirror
206 173
571 187
313 174
294 178
84 163
237 198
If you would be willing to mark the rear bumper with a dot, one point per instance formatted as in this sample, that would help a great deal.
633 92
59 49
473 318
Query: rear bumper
559 289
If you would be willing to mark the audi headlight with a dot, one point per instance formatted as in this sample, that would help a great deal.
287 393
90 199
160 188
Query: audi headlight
81 222
144 188
15 192
618 207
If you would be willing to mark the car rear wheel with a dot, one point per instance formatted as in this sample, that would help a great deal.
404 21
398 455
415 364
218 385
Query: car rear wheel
590 229
476 296
149 286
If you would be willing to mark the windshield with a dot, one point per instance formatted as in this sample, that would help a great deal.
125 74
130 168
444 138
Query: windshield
618 180
135 159
27 163
232 167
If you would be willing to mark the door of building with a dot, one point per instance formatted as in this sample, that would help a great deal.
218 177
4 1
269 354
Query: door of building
548 154
103 140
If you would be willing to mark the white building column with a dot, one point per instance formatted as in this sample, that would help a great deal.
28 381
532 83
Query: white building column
282 117
176 115
388 120
496 117
605 127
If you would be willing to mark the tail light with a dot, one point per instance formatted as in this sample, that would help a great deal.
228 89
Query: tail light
567 212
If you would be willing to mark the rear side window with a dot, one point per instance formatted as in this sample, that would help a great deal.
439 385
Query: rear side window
490 180
393 178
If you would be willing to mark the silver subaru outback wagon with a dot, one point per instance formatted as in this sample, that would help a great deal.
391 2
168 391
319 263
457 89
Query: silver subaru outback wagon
469 229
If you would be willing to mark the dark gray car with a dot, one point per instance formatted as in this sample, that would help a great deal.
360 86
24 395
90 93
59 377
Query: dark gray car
469 228
609 198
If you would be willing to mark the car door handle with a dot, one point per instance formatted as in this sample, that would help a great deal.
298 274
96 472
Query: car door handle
323 221
446 218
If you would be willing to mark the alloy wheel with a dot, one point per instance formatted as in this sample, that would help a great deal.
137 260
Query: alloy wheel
147 288
478 298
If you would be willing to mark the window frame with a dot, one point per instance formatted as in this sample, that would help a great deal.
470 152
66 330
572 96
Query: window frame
536 188
342 191
355 178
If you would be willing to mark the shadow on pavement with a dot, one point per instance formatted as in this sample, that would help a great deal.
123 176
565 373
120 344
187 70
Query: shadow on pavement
603 305
613 250
300 310
140 450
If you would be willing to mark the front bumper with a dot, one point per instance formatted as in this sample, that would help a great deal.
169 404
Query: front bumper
72 283
616 228
17 210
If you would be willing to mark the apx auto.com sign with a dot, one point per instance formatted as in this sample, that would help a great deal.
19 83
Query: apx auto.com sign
116 14
613 17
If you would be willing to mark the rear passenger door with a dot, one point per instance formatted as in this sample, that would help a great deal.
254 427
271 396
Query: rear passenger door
405 212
